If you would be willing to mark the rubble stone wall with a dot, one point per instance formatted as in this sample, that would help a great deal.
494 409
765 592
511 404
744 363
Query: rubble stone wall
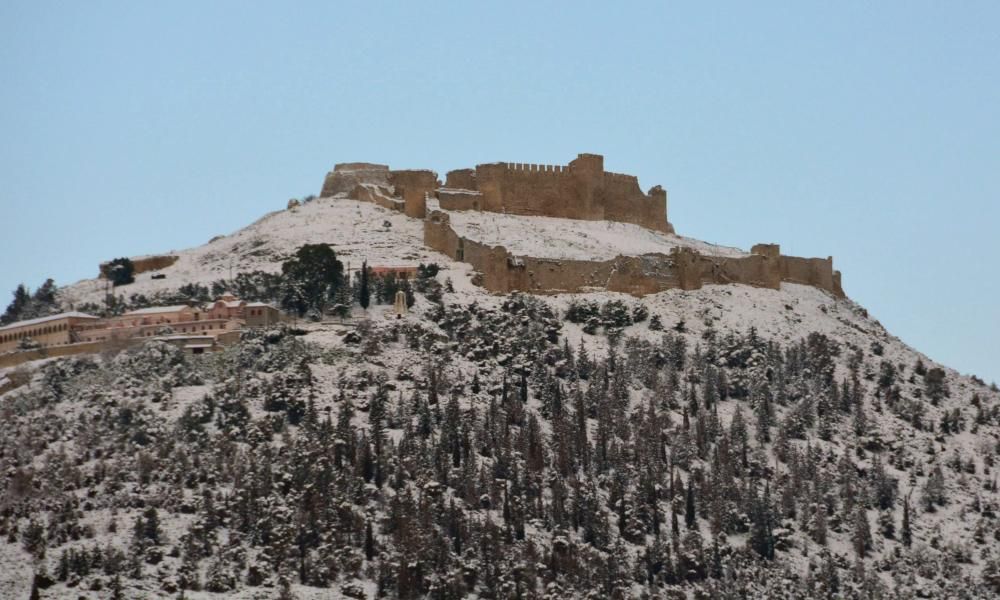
413 186
346 176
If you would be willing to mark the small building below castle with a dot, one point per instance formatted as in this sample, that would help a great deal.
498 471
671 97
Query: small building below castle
195 328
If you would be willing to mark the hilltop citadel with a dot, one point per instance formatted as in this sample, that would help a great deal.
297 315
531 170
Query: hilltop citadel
580 190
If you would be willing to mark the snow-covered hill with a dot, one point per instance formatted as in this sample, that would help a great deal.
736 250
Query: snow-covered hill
357 231
793 419
551 237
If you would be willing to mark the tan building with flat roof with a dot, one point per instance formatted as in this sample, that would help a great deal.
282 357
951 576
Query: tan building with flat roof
196 329
157 321
54 330
261 314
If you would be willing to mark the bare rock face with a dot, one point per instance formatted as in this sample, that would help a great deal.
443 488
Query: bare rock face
346 176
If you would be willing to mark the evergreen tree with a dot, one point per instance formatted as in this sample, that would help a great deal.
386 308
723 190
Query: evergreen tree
311 279
151 526
20 302
818 531
762 524
121 271
364 293
861 535
35 594
369 541
116 588
689 508
907 533
935 385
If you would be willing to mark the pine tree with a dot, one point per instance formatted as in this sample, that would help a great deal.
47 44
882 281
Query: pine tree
860 419
907 534
376 421
116 588
369 541
762 524
764 417
22 297
342 301
861 536
151 525
689 508
34 589
819 524
364 293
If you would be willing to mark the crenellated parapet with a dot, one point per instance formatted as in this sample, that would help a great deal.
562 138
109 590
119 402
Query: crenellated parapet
580 190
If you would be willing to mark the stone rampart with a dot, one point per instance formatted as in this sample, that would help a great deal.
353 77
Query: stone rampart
817 272
580 190
413 186
453 199
461 179
684 268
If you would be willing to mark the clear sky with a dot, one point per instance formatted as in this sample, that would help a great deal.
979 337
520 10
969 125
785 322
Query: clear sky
869 131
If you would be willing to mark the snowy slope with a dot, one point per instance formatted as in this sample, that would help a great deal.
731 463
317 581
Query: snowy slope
572 239
356 230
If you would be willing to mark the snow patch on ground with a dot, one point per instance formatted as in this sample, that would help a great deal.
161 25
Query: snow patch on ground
572 239
357 231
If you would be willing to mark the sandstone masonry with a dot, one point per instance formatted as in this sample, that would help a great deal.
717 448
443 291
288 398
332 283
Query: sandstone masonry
684 268
580 190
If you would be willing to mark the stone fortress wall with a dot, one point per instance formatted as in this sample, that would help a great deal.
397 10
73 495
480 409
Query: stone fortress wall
405 191
686 269
580 190
346 176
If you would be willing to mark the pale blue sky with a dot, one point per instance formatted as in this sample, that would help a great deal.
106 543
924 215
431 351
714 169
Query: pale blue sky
866 131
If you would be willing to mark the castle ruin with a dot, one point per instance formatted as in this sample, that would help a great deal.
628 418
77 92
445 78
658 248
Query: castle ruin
581 190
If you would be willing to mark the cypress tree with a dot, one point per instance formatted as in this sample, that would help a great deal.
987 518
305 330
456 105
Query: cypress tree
907 534
21 299
34 589
689 509
364 293
862 537
761 531
369 541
